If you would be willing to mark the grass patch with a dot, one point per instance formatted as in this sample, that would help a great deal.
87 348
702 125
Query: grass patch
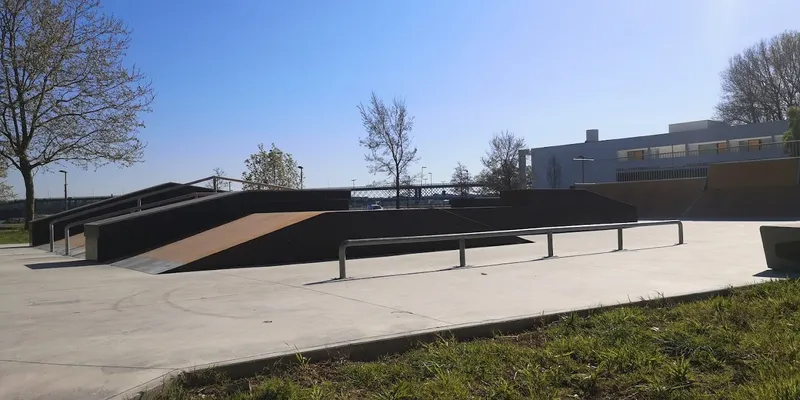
742 346
13 234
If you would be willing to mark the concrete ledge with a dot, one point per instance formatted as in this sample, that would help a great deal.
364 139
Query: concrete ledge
373 348
781 247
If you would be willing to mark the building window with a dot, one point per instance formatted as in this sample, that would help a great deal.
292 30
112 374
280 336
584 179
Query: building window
722 147
754 145
636 155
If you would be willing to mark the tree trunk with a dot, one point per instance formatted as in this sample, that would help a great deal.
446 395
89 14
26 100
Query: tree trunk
397 191
30 199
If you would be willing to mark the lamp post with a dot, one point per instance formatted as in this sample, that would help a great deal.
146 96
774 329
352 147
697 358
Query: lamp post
301 175
354 183
66 199
422 177
583 160
430 174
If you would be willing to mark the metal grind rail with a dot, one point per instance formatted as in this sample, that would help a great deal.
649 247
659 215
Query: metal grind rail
462 237
214 179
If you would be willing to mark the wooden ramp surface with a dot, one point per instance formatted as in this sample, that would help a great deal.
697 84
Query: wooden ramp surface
668 198
212 241
761 173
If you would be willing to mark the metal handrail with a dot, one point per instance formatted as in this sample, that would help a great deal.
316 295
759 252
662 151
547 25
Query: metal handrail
462 237
165 190
147 206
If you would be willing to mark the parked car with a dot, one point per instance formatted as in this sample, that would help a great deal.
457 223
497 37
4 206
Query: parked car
374 207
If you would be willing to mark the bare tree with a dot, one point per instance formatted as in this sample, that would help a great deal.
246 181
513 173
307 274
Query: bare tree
221 184
762 82
388 140
500 163
462 178
553 172
65 93
273 167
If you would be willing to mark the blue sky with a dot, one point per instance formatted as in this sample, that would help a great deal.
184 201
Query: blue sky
230 75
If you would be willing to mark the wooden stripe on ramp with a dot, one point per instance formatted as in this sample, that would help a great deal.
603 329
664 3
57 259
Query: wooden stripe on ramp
226 236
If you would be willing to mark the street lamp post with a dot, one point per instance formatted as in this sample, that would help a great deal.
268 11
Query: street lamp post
430 174
583 160
354 183
422 177
301 175
66 199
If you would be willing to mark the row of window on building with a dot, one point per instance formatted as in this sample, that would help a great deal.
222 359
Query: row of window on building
700 149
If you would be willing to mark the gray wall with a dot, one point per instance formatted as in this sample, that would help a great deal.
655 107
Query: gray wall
606 163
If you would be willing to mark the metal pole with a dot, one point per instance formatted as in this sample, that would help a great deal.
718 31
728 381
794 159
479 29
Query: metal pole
619 239
66 198
680 232
215 185
549 244
301 175
342 256
52 237
583 172
462 253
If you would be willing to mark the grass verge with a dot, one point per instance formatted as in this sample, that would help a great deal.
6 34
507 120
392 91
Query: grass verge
742 346
13 234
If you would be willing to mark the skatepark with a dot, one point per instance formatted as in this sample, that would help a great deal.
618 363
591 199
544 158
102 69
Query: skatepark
258 276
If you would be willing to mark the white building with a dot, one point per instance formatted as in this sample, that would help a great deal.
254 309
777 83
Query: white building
683 152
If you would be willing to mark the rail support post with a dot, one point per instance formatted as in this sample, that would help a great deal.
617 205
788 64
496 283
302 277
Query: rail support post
462 253
619 239
549 244
66 241
342 256
52 237
680 232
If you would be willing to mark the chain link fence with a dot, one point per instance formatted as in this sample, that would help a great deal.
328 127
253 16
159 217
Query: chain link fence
418 196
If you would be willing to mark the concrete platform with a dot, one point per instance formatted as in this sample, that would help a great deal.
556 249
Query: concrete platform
69 330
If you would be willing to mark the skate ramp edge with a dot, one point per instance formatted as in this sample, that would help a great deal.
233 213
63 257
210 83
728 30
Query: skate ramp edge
207 243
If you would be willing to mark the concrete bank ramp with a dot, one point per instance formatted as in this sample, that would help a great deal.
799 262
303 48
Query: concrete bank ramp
760 173
750 190
661 199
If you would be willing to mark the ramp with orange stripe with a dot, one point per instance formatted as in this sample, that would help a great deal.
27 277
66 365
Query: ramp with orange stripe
298 237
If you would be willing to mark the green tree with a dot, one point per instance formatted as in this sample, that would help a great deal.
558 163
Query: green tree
66 94
388 140
274 168
792 136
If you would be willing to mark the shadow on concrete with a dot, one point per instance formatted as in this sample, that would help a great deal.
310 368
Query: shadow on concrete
771 273
61 264
457 268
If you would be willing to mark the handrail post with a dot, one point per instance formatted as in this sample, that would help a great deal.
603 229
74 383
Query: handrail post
680 232
342 256
139 203
462 253
619 239
215 184
549 244
66 240
52 237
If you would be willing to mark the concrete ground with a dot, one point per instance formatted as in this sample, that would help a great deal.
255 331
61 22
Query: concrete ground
69 330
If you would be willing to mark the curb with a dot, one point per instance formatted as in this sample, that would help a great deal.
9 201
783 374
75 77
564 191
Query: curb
374 348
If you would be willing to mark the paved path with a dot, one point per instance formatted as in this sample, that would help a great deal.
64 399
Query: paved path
70 331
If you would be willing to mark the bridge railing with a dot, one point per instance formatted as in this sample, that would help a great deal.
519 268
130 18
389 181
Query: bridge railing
462 237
